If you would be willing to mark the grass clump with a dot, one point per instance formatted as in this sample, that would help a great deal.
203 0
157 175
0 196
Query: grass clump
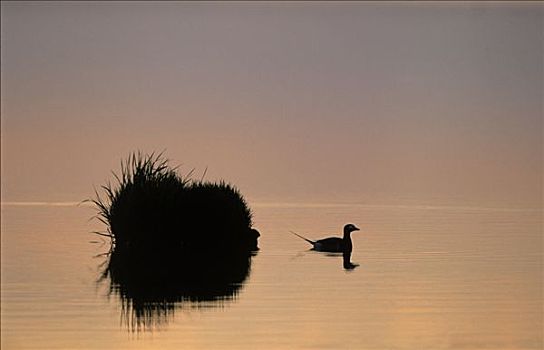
151 208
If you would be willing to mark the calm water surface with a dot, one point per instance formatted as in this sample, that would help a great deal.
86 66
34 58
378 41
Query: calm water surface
429 278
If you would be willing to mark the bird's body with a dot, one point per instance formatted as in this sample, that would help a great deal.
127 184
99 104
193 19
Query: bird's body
333 244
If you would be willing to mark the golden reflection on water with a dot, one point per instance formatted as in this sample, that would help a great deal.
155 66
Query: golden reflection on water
429 278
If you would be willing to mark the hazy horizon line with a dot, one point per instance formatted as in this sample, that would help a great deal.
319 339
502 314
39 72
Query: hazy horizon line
295 204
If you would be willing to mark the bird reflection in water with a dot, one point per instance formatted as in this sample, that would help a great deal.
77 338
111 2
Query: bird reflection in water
346 260
152 286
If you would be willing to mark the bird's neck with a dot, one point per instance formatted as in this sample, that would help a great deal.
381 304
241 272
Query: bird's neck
347 242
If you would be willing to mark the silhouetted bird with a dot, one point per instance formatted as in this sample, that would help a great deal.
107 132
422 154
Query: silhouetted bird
333 244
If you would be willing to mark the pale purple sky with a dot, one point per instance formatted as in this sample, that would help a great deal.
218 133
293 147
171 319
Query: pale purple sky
289 101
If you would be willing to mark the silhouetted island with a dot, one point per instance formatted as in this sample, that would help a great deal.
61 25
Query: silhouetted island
153 209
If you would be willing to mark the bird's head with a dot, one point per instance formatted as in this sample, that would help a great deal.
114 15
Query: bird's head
350 228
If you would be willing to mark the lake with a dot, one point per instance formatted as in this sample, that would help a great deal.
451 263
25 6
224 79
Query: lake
429 277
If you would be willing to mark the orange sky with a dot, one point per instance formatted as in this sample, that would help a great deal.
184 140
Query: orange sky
290 101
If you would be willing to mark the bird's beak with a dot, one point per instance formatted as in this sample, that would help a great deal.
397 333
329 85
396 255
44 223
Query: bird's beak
356 229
